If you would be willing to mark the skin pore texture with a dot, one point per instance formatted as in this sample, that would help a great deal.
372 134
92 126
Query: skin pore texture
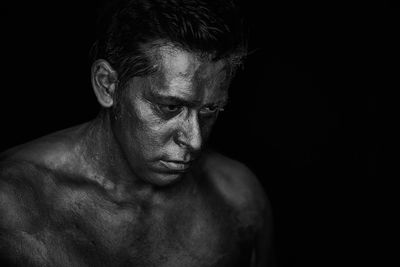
133 187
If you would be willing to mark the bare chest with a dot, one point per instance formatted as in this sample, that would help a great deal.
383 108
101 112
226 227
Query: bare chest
191 233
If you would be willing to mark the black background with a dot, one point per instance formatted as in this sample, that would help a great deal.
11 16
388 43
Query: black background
301 115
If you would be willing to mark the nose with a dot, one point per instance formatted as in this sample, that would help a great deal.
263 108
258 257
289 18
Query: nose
190 133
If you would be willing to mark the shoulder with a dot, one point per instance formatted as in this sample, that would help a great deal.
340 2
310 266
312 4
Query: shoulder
238 186
51 150
241 189
22 212
27 176
28 215
32 180
31 173
25 173
20 197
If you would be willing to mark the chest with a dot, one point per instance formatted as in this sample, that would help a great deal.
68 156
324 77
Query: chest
191 233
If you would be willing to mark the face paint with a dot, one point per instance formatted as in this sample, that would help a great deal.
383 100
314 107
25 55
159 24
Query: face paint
166 117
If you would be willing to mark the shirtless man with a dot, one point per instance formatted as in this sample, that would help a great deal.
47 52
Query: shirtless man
131 188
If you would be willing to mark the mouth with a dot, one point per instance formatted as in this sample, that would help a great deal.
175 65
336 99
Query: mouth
174 165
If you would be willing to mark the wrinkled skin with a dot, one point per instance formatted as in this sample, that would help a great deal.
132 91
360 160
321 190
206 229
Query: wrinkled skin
131 187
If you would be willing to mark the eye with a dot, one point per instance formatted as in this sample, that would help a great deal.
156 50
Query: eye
169 109
210 110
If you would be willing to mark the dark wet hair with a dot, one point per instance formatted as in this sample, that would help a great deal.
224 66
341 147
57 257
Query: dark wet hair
212 27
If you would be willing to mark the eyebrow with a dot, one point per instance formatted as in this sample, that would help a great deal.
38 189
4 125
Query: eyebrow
174 100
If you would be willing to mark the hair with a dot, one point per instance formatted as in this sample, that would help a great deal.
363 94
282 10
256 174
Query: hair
212 27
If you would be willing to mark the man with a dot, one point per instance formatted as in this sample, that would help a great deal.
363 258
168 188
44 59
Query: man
131 188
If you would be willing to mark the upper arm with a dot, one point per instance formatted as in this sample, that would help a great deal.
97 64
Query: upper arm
18 202
19 221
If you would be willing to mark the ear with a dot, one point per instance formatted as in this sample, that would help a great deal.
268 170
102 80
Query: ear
104 82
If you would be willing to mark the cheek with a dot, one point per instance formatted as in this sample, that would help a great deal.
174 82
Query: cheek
149 127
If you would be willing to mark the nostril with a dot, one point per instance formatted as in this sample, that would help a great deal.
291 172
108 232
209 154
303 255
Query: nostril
180 138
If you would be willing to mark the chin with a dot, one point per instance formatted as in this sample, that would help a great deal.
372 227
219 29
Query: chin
164 179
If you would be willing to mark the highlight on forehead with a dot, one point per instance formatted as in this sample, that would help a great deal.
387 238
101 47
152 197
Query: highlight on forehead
161 51
173 58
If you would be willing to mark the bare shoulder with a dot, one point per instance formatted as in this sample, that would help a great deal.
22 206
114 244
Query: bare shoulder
28 174
22 213
50 150
25 172
19 195
239 187
27 179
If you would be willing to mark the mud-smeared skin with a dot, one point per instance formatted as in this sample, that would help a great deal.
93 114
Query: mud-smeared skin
100 194
64 219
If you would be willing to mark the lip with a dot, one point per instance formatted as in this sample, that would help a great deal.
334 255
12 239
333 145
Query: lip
175 165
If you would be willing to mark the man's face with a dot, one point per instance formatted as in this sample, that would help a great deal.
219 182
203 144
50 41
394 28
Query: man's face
165 118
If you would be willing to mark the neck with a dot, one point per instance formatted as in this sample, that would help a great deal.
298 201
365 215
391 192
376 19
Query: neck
102 151
112 171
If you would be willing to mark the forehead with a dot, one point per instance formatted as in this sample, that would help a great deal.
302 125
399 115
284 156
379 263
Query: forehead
171 61
176 61
188 75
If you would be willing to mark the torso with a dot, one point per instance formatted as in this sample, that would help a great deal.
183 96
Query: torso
196 229
80 225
